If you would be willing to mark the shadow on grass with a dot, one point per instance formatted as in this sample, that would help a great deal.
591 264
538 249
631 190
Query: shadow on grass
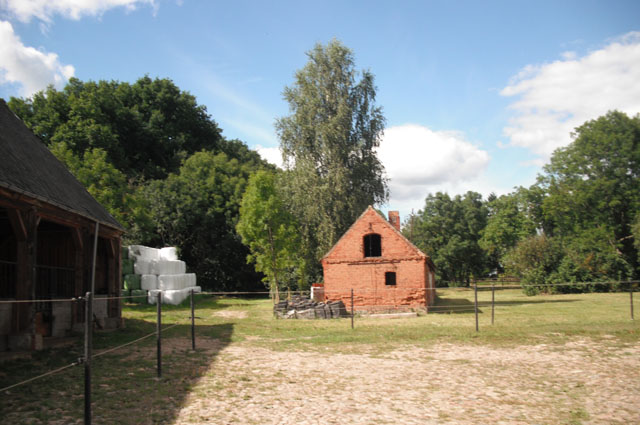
466 306
503 303
125 387
453 306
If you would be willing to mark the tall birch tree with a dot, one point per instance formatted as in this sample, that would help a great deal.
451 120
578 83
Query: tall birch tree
329 142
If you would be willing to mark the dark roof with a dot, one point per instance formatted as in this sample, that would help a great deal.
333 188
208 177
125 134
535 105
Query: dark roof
28 167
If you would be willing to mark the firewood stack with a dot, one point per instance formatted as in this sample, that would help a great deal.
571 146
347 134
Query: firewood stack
304 308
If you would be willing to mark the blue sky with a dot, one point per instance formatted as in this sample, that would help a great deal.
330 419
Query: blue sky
477 95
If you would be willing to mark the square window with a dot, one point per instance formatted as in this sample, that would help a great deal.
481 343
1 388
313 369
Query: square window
390 278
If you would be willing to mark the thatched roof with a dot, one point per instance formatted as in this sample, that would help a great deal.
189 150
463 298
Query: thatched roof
28 167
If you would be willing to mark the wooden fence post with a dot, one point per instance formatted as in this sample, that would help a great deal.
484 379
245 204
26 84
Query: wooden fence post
351 308
475 293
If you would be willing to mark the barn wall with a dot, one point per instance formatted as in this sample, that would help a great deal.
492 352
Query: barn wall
45 253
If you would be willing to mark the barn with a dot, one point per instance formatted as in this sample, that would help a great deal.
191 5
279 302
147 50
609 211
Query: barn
47 225
384 269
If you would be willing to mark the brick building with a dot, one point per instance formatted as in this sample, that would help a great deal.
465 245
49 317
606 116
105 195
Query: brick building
384 269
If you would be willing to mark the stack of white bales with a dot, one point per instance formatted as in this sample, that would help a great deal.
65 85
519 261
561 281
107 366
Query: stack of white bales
161 271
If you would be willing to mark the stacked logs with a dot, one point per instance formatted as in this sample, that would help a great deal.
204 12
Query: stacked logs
303 308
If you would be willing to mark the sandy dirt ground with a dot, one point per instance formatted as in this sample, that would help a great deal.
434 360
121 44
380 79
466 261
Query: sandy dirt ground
577 382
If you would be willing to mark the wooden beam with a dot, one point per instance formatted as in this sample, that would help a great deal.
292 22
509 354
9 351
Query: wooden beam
113 248
76 235
17 224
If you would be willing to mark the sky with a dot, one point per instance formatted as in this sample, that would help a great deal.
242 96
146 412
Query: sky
477 94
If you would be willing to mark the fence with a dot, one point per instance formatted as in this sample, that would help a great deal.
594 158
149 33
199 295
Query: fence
392 299
85 302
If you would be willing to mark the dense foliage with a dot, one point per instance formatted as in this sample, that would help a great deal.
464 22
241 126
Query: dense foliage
449 230
146 128
328 143
197 210
579 223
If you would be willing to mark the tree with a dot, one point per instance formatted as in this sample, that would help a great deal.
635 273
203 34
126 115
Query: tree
108 186
449 230
269 230
328 143
146 128
534 259
197 210
508 223
593 185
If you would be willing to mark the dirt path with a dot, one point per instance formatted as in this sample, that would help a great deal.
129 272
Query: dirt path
580 382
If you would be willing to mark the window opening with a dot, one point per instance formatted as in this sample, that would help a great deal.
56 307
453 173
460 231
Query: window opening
390 278
372 247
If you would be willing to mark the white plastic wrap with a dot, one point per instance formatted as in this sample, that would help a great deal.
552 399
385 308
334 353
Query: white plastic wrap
168 253
142 267
152 296
174 296
141 252
176 281
149 281
167 267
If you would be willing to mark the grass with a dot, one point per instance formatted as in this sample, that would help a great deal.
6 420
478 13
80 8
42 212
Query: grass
125 388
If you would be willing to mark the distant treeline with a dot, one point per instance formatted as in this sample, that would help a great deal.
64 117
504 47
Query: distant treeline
580 222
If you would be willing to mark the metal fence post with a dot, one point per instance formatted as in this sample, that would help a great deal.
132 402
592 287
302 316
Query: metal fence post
475 293
193 324
159 333
88 315
351 308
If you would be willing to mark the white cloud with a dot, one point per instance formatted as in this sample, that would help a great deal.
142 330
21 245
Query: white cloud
25 10
420 161
273 155
30 68
553 99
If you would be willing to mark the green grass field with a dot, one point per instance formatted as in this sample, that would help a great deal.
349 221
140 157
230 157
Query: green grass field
125 388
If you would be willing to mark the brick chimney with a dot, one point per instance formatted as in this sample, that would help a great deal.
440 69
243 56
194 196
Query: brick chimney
394 219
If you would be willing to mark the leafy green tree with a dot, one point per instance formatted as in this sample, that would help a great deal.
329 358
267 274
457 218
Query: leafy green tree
449 230
509 221
269 230
146 128
588 257
328 143
534 260
593 185
197 210
108 186
636 234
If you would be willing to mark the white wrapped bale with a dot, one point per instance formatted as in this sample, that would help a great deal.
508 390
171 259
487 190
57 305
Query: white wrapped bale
142 267
149 282
141 252
168 267
169 253
176 281
152 296
174 296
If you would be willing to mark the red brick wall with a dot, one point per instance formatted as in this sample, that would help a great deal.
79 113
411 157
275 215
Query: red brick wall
346 267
